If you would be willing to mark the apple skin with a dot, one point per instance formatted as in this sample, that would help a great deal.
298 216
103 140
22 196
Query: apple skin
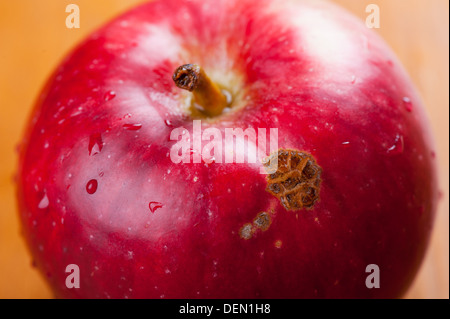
329 84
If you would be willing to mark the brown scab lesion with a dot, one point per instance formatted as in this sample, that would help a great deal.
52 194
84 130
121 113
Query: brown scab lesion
246 231
296 181
261 222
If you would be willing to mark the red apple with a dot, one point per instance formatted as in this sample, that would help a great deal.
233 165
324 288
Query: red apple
97 186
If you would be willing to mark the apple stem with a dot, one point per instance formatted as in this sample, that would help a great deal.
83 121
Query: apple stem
207 95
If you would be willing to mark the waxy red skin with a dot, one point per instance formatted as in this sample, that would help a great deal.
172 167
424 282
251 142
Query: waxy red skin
330 86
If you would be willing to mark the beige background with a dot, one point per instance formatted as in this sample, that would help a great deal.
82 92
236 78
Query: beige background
33 38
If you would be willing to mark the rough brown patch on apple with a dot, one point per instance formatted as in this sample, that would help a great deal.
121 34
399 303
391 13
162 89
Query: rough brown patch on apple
261 222
296 182
246 231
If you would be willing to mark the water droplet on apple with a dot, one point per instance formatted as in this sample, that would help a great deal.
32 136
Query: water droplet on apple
132 127
77 112
44 202
407 103
58 113
101 174
95 144
168 123
154 206
91 186
110 95
398 146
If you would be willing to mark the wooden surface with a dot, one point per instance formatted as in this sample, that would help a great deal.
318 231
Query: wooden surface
34 38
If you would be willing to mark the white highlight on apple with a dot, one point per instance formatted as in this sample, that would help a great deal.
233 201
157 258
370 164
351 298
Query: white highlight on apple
145 45
241 146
